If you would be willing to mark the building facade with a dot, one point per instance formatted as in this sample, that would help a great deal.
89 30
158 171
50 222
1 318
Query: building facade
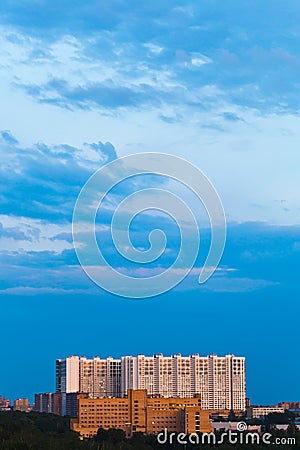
220 380
48 402
21 404
60 404
257 412
97 377
290 406
67 375
139 412
4 404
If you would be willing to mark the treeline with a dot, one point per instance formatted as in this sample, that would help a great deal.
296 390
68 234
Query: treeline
35 431
23 431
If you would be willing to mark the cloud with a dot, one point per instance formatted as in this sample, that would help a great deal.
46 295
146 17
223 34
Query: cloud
8 138
107 150
231 116
14 232
121 64
43 182
39 186
221 89
30 291
238 285
257 257
103 95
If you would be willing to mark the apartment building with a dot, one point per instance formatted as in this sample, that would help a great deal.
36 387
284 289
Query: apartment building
97 377
139 412
220 380
48 402
67 375
56 403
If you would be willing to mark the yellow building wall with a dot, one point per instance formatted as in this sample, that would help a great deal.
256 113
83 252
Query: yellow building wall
139 413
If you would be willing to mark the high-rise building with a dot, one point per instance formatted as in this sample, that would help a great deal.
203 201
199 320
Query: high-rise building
96 377
227 384
67 374
182 376
164 375
138 372
57 403
220 380
43 402
113 377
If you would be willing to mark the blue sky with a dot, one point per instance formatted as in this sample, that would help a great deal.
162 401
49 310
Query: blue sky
216 83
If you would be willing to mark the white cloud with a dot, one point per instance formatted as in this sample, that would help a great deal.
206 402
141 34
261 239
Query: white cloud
197 59
40 235
254 158
153 48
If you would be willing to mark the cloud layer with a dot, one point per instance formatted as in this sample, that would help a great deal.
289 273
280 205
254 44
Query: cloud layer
39 187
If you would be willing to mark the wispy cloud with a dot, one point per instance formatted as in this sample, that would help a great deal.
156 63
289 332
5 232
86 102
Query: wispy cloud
43 182
251 63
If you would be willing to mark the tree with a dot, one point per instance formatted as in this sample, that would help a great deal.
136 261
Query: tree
112 435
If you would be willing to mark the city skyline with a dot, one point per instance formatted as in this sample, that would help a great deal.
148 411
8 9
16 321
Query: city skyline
215 83
79 372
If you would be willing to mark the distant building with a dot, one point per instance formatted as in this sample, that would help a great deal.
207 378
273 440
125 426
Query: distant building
48 402
43 402
219 380
60 404
233 426
4 404
292 406
21 404
140 413
57 402
71 404
256 412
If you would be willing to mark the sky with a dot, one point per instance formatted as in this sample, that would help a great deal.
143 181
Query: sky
216 83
